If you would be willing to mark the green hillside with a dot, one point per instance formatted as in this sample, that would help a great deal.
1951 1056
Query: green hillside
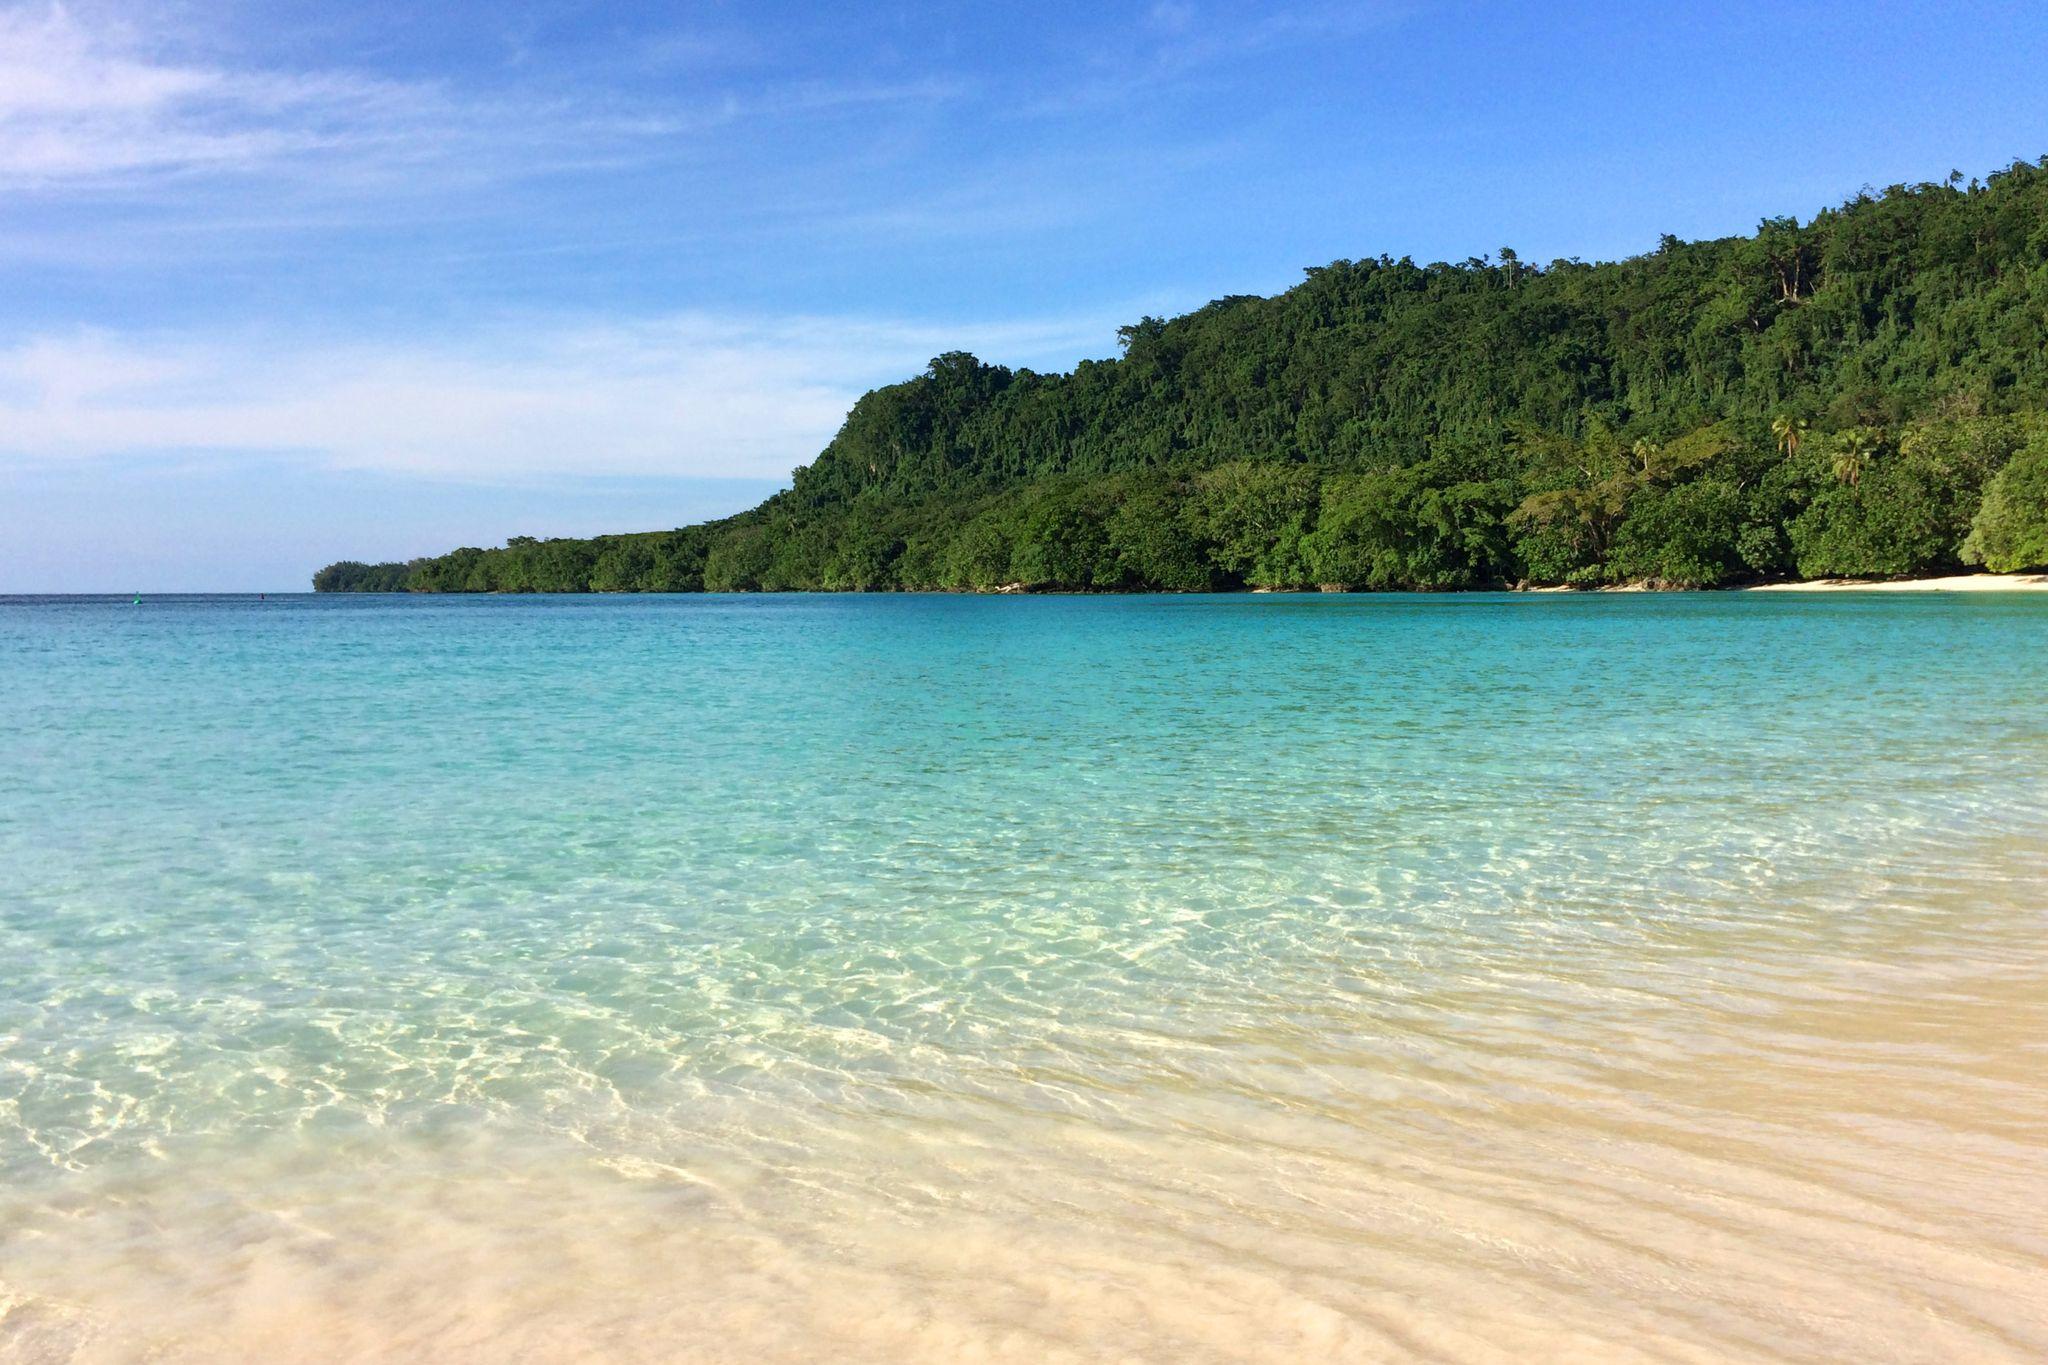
1862 394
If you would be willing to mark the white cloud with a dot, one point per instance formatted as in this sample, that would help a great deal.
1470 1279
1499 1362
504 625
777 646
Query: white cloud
92 104
85 103
51 66
686 395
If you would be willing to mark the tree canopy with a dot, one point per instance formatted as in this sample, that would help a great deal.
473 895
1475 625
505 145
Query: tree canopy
1865 393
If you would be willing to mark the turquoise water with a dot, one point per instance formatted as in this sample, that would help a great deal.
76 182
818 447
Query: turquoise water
1024 978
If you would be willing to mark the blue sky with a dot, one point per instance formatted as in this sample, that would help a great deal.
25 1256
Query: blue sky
286 282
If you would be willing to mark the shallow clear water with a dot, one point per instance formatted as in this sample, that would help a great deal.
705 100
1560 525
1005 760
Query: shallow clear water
1654 977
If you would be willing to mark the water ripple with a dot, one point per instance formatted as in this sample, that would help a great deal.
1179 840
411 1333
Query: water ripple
930 979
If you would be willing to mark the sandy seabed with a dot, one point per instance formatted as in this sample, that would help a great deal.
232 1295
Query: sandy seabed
1709 1159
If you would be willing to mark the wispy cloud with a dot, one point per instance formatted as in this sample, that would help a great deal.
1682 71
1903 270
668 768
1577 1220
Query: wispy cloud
685 395
92 104
1181 41
87 104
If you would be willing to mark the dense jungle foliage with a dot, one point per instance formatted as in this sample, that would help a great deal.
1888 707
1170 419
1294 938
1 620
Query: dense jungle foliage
1862 394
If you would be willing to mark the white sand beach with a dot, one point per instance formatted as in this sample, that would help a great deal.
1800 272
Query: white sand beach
1966 582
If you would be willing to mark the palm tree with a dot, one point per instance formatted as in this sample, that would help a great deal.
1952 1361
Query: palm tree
1789 434
1854 450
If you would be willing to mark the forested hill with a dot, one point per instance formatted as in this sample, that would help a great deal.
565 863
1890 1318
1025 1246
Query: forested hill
1865 393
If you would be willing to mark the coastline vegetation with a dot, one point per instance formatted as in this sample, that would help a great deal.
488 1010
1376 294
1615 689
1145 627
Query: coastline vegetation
1861 395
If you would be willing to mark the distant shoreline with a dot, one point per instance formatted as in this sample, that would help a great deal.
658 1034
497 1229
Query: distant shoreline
2034 581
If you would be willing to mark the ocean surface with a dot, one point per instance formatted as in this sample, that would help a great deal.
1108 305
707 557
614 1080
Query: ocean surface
941 979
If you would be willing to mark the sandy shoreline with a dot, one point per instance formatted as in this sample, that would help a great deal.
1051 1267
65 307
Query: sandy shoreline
1962 582
1967 582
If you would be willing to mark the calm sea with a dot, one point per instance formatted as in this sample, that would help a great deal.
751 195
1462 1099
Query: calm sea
1024 979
